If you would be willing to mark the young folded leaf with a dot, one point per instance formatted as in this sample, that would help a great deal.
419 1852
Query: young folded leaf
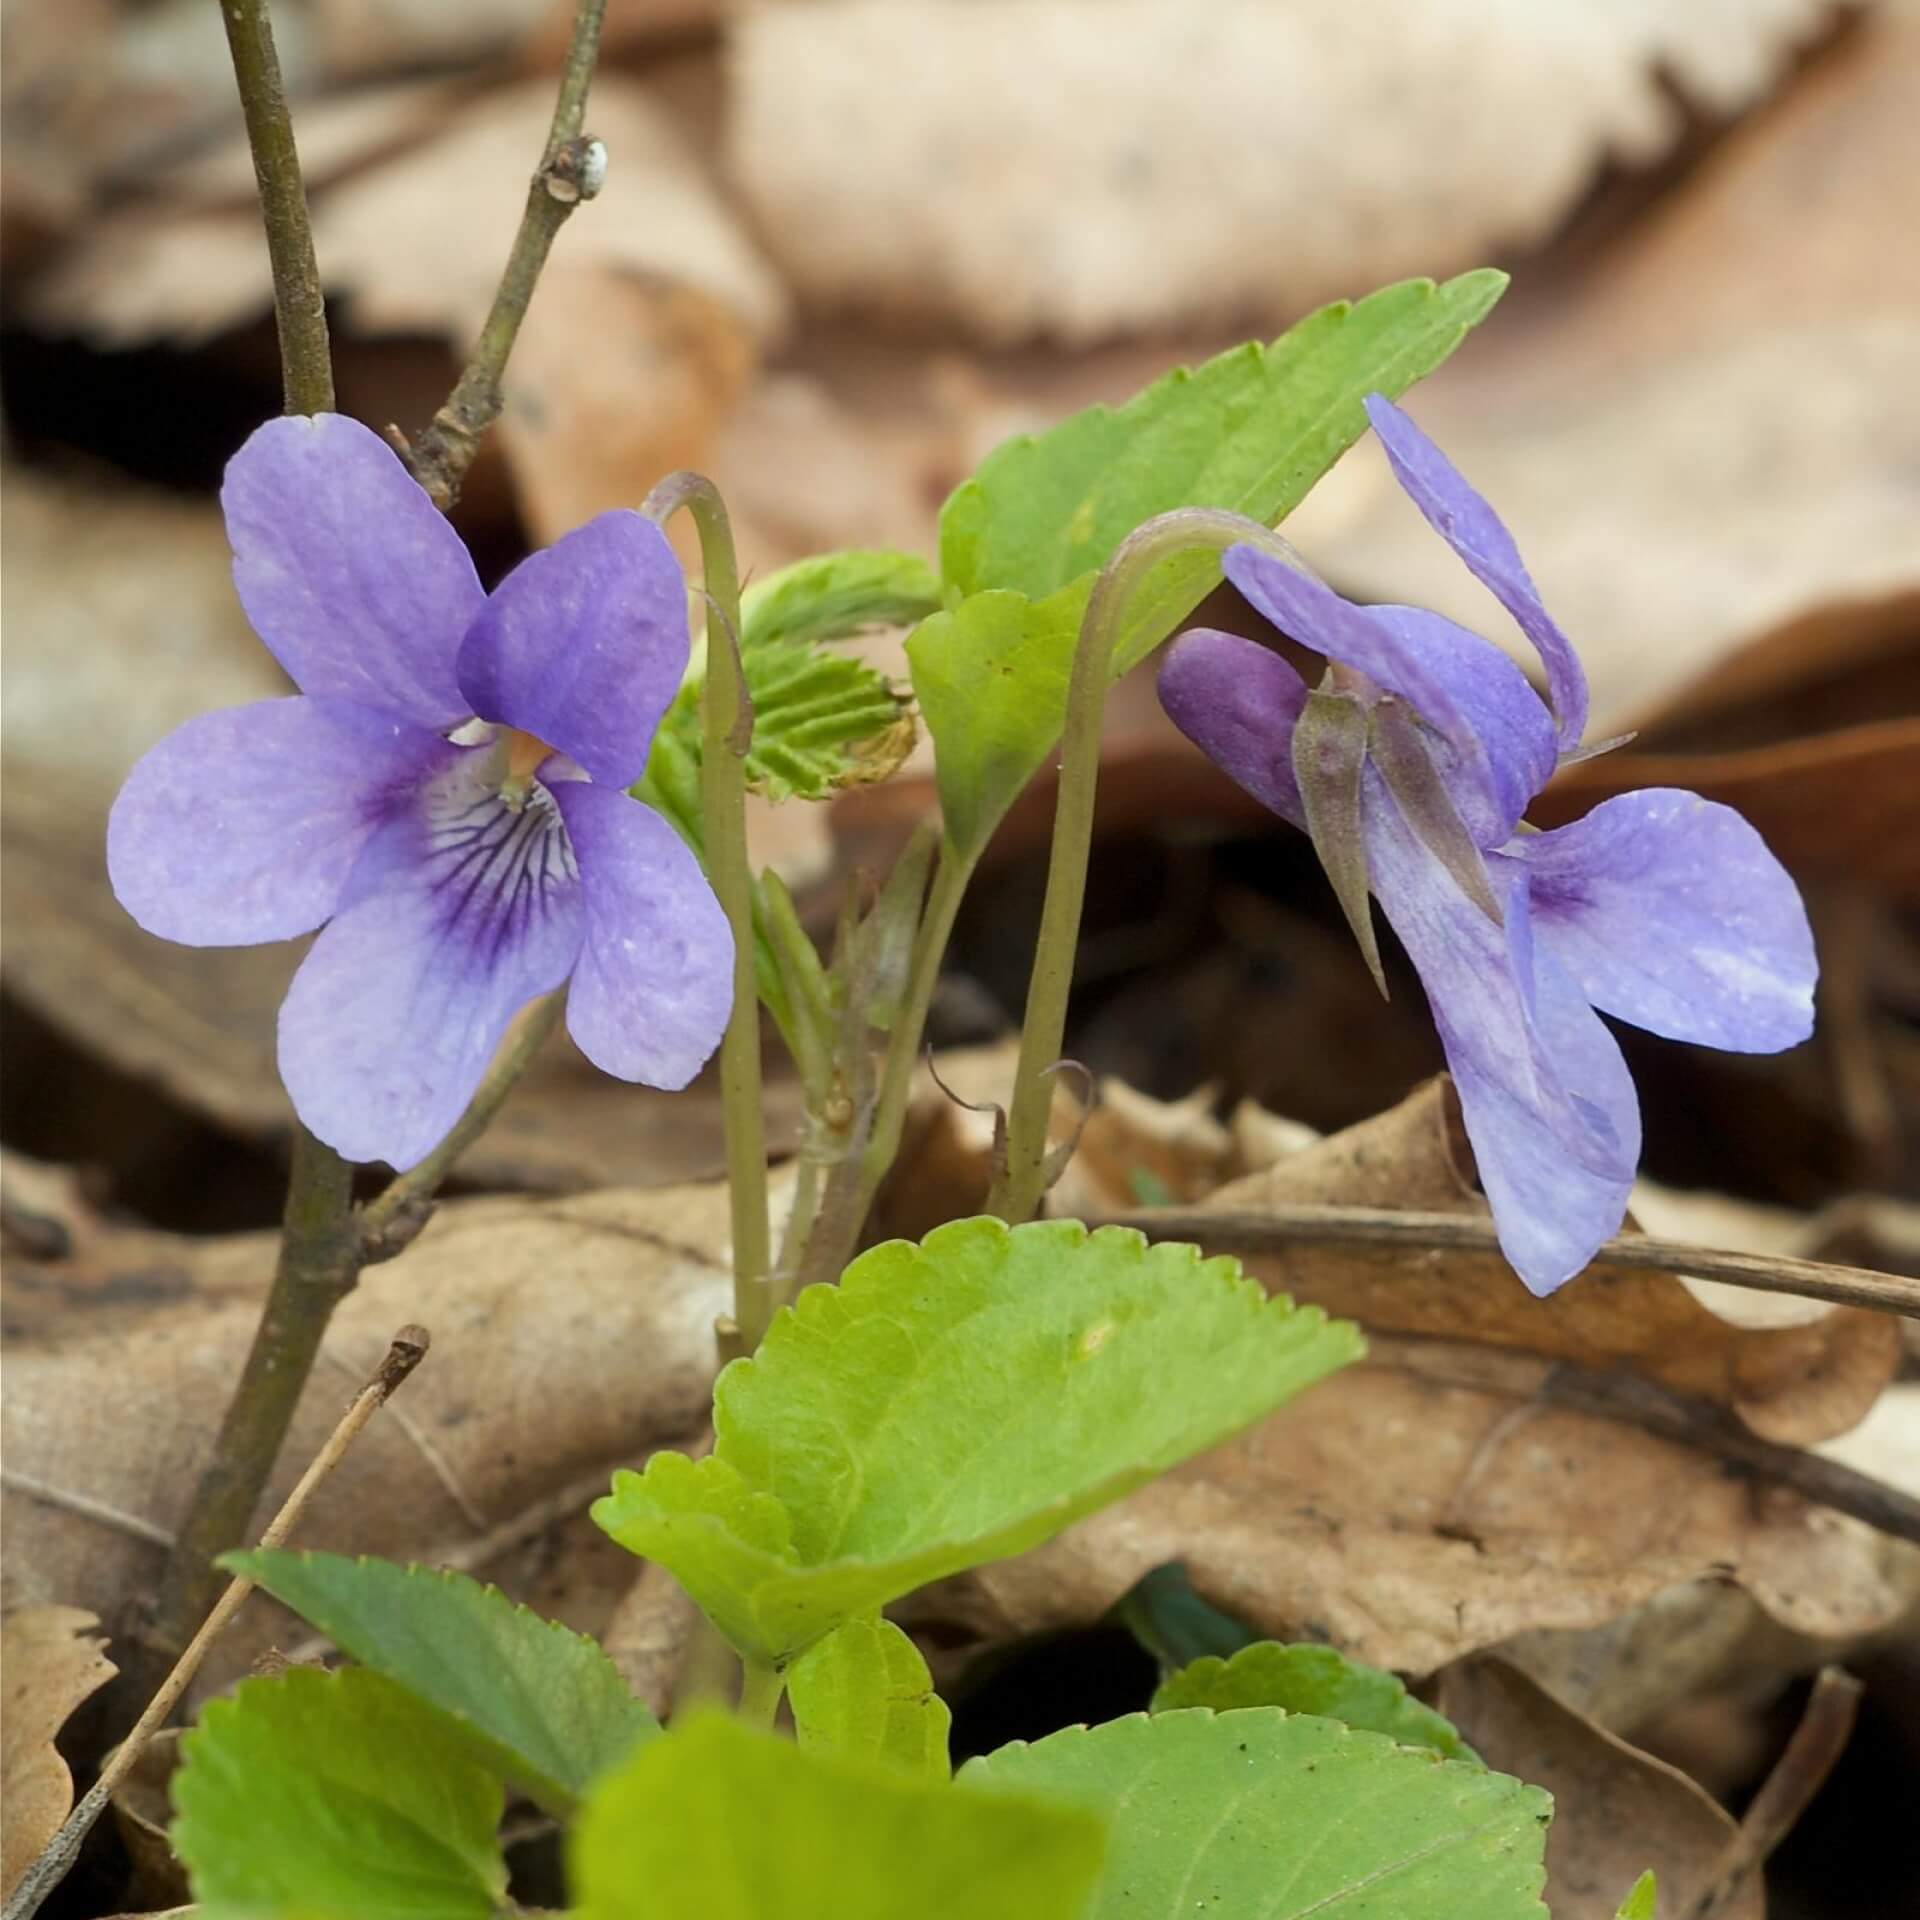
952 1403
865 1692
1312 1679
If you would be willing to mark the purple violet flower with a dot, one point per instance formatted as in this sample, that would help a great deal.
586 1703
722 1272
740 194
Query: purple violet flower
443 797
1660 908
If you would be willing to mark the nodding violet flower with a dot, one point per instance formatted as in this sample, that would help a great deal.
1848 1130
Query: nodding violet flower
443 797
1411 766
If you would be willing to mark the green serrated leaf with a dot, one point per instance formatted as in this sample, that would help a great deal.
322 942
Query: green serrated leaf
821 721
991 679
865 1692
1317 1680
337 1793
727 1824
1642 1901
1250 431
1285 1815
953 1403
543 1703
834 594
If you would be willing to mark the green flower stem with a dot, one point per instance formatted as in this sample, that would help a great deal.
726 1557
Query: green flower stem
950 877
1018 1187
727 729
761 1685
570 171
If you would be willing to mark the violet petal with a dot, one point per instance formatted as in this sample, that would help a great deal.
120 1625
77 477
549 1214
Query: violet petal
1492 787
1238 702
583 645
355 582
458 913
1465 521
1671 913
1548 1103
241 826
654 985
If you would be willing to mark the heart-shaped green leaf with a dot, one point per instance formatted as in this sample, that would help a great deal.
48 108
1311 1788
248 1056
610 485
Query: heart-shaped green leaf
865 1692
1284 1815
544 1704
716 1822
1312 1679
953 1403
1250 431
337 1793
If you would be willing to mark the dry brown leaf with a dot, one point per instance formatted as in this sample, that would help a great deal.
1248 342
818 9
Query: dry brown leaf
617 382
121 624
358 36
1616 1810
1793 1384
52 1659
142 1811
1428 1503
1699 439
416 243
1028 169
569 1337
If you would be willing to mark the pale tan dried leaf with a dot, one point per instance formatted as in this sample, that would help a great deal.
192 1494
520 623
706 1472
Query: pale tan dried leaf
417 244
1408 1520
569 1337
1081 171
1616 1811
1793 1383
1136 1151
359 36
142 1812
121 624
1699 437
617 382
51 1659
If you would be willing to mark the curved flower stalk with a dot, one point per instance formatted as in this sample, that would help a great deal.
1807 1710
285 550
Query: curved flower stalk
444 797
1424 747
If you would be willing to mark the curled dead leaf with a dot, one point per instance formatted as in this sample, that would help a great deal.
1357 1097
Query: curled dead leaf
51 1659
1616 1810
1326 152
1793 1384
1433 1501
569 1337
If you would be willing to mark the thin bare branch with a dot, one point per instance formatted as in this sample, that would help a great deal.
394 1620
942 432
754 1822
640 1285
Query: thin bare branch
1276 1229
571 170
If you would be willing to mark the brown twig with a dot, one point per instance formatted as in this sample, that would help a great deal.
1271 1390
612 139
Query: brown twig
299 306
1536 1383
1817 1743
1274 1230
318 1266
408 1349
570 171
